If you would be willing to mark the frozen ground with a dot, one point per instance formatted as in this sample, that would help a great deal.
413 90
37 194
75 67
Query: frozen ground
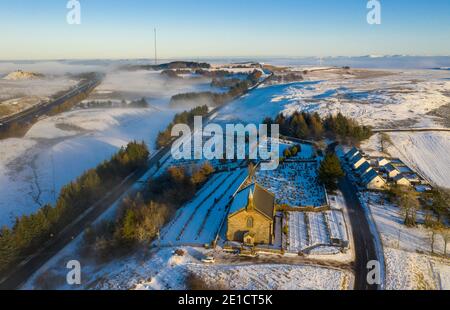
294 184
428 153
396 99
425 152
407 251
258 104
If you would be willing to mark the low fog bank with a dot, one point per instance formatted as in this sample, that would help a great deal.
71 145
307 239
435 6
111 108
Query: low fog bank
150 84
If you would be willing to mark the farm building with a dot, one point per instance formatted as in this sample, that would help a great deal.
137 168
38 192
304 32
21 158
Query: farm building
252 216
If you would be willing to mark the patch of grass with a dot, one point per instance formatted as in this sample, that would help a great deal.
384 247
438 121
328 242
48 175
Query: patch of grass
194 282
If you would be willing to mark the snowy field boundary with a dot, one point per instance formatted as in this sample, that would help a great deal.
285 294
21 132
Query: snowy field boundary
378 243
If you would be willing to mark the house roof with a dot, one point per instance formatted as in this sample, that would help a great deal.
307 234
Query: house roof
351 153
400 177
390 168
356 158
263 200
364 168
369 177
382 159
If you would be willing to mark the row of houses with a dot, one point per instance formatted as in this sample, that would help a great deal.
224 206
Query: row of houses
369 178
377 172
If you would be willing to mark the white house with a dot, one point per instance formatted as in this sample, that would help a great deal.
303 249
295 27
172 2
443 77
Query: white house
357 161
402 180
381 161
391 171
371 180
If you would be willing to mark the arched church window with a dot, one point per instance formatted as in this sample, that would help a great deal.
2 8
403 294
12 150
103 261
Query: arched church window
250 222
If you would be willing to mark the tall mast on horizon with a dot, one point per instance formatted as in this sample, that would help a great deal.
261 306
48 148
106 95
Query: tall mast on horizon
156 50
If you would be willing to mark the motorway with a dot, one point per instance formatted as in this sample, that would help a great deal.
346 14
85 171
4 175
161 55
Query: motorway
29 116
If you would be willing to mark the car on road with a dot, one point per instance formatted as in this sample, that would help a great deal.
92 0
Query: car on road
208 260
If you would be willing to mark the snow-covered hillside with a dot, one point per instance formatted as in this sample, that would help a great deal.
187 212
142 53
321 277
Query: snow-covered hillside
58 149
426 152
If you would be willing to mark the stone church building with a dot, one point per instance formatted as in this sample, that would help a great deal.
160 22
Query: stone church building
252 216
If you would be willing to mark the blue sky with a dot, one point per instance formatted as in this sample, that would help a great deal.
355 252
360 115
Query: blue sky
37 29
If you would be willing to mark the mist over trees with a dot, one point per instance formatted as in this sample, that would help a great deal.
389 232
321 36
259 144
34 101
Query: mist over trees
217 99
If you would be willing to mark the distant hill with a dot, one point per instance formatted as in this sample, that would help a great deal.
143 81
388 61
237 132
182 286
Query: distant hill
171 66
22 75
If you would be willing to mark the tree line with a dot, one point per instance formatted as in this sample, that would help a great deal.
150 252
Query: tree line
305 125
141 216
186 117
436 205
30 231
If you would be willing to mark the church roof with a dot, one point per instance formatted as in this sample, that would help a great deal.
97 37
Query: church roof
263 200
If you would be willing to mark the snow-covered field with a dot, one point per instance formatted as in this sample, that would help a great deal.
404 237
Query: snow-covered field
294 184
275 277
407 251
257 105
396 100
428 153
163 270
59 149
393 100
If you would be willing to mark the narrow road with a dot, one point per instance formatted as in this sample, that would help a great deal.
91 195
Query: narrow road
363 240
